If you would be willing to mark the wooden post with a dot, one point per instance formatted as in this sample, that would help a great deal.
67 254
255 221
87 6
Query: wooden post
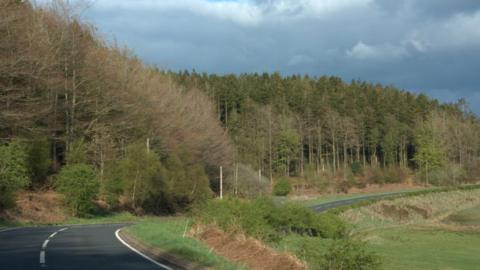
148 145
221 183
260 175
236 178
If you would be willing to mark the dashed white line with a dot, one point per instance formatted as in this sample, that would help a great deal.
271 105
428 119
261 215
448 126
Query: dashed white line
44 247
140 253
42 257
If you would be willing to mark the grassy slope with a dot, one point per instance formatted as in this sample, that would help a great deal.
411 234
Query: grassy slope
169 236
468 217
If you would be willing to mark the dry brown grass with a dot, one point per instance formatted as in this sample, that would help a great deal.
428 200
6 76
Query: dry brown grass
247 251
429 209
38 207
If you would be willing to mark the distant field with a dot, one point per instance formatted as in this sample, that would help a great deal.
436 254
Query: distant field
431 231
424 248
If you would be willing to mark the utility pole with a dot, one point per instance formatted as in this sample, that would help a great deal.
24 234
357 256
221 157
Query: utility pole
221 183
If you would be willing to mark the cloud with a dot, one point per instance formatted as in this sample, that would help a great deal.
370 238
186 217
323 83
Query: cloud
362 51
457 32
241 12
411 44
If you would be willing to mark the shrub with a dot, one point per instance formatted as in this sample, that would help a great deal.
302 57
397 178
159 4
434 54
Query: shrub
395 175
349 255
246 184
13 173
262 219
356 168
38 160
450 174
153 185
80 186
282 187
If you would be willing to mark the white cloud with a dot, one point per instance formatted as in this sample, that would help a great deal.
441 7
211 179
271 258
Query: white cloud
308 7
459 31
243 12
362 51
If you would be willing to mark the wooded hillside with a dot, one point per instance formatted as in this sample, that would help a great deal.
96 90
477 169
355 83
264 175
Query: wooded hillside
313 126
71 98
76 107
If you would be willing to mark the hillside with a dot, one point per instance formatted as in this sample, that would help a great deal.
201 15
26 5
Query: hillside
77 107
70 98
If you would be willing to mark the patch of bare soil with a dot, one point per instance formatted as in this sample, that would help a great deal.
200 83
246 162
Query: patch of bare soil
38 207
246 251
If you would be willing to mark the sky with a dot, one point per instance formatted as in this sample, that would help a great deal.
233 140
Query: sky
423 46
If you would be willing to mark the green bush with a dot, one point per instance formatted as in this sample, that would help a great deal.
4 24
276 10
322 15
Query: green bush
282 187
13 173
80 186
153 185
38 160
262 219
395 175
356 168
349 255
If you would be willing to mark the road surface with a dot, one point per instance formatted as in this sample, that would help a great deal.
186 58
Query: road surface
88 247
334 204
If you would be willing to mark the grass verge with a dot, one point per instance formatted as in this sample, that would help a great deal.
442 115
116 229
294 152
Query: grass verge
169 235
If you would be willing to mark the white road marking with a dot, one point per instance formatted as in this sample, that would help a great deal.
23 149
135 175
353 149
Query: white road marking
8 229
42 257
140 253
44 247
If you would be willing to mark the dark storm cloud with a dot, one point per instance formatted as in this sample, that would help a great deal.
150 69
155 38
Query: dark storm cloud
430 46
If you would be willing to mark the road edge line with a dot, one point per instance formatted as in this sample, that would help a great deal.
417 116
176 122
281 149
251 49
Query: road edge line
9 229
117 234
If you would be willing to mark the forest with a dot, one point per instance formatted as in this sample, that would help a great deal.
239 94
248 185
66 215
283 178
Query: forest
88 118
322 129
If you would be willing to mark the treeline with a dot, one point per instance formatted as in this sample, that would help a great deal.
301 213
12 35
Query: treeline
68 98
324 127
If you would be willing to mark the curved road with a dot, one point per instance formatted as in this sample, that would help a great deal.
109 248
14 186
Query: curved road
334 204
91 247
68 247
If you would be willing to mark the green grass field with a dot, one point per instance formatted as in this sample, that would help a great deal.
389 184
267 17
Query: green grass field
446 237
423 249
169 236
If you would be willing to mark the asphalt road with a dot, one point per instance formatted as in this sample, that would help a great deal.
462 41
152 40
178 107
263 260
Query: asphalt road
330 205
88 247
